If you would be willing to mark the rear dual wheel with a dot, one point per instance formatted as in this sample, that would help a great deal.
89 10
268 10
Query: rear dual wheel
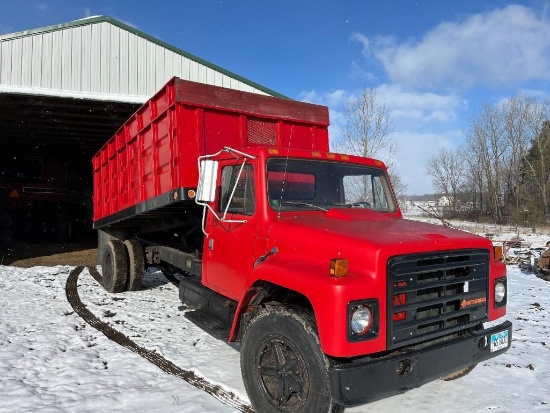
136 265
123 266
114 266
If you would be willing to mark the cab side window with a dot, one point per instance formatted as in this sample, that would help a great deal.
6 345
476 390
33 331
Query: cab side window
243 200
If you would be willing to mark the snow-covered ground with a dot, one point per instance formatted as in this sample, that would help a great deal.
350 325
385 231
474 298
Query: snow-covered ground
52 361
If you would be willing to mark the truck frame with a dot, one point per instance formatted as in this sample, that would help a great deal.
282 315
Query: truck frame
300 254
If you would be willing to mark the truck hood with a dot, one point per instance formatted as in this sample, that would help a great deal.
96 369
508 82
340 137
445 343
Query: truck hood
365 235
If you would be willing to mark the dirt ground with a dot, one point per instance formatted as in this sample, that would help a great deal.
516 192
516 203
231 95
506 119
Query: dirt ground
34 253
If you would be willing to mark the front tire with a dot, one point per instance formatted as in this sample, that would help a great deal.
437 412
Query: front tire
114 266
283 367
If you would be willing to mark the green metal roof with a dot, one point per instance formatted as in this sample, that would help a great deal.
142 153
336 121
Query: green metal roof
107 19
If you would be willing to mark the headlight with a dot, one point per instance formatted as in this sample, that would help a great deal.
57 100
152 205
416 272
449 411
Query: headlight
361 320
500 292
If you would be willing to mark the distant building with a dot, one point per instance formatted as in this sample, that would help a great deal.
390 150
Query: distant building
445 201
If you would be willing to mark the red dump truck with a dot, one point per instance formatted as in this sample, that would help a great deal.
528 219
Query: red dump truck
300 254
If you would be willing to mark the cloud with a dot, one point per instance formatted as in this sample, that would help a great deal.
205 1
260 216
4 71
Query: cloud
334 98
414 150
404 105
411 112
364 41
423 107
358 73
503 47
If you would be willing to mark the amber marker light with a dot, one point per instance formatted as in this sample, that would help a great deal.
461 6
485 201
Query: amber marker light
338 268
191 194
498 252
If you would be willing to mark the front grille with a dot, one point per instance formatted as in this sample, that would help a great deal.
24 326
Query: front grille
432 295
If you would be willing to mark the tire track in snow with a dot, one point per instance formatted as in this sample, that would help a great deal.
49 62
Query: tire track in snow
226 397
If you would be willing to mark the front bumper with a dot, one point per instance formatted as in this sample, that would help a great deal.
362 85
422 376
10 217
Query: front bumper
365 380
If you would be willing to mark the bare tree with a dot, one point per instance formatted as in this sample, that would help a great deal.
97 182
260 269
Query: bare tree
474 185
516 133
509 149
366 133
537 160
486 142
446 168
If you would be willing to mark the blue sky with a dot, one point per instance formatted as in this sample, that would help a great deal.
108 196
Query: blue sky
434 62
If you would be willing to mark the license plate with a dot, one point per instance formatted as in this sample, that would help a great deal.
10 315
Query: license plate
499 341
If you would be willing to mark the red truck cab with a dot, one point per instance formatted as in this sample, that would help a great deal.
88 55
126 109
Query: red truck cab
300 254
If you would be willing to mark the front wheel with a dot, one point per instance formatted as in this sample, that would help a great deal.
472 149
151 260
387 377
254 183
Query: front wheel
283 367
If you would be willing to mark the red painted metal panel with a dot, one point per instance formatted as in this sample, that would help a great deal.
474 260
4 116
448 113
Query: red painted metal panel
164 156
221 129
134 171
148 163
124 199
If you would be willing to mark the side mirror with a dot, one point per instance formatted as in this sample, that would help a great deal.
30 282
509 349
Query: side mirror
206 190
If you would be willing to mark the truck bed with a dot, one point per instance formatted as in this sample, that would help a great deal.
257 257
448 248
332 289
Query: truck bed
151 161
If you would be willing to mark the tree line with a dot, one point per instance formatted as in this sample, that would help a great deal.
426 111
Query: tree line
502 173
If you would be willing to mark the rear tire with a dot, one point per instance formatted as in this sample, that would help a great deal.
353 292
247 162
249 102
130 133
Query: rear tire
282 365
136 265
114 266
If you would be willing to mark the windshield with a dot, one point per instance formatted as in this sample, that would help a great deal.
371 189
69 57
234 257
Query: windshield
295 184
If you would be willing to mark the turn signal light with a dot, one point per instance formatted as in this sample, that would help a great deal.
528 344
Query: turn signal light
498 252
338 268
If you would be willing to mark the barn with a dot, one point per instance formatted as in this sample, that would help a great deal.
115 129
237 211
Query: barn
64 90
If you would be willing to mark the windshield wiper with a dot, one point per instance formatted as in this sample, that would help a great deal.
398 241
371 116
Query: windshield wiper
297 203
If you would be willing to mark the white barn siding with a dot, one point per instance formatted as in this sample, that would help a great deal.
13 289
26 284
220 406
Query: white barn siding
45 80
57 60
86 60
17 67
123 63
36 67
101 57
26 72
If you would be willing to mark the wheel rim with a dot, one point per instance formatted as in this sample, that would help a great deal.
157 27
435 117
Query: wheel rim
282 374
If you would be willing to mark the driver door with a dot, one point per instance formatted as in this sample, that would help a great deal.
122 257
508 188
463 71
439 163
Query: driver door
228 256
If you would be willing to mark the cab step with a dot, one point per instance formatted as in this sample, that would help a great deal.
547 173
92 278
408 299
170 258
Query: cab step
209 323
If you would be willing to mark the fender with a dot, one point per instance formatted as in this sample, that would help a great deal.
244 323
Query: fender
328 296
